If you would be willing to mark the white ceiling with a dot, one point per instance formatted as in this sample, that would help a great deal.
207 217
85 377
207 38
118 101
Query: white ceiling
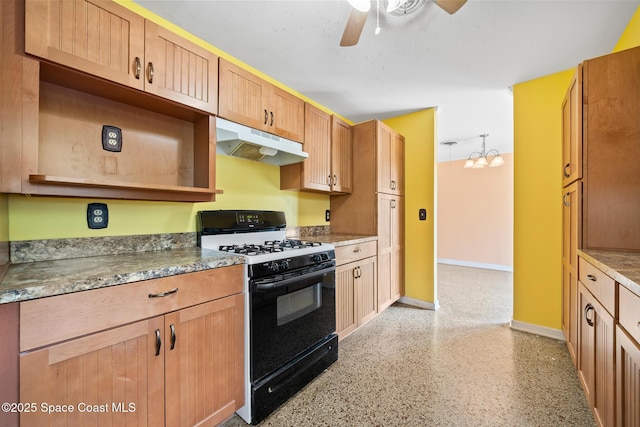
463 64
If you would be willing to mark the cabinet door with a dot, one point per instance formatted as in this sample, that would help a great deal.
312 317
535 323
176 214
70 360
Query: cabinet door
204 353
627 380
286 115
98 37
119 374
390 249
572 131
316 170
384 158
390 160
611 140
596 361
243 96
366 291
397 164
178 69
571 241
345 305
341 156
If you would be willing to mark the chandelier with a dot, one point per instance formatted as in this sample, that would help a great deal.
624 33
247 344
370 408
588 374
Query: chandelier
483 158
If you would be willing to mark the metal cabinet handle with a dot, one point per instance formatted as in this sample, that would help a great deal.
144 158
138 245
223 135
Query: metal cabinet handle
158 342
138 68
393 204
358 249
564 170
150 79
335 180
271 112
565 200
164 294
329 180
266 116
587 309
173 336
592 277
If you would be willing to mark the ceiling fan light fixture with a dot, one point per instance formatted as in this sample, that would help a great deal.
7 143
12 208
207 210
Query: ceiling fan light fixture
394 4
360 5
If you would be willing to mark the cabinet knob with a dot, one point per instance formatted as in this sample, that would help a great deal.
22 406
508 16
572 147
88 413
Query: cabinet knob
592 277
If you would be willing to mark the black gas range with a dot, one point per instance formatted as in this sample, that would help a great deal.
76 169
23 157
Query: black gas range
290 317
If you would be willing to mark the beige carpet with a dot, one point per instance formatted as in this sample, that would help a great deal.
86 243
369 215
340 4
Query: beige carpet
459 366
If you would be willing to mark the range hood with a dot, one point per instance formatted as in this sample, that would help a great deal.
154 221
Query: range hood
237 140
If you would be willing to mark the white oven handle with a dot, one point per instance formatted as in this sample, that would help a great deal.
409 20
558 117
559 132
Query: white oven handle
275 283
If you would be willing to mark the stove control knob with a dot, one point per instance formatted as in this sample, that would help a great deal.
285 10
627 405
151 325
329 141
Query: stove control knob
284 264
316 258
273 266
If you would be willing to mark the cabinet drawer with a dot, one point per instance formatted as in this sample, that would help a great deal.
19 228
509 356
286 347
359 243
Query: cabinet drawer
49 320
629 306
350 253
599 284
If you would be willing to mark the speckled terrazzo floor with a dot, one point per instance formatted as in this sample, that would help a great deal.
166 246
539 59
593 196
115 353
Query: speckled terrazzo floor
459 366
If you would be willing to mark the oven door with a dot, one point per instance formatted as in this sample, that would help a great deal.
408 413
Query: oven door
290 313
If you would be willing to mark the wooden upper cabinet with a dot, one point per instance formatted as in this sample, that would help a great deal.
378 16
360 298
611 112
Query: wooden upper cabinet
106 40
611 145
572 130
390 160
180 70
286 114
246 98
101 38
242 96
341 156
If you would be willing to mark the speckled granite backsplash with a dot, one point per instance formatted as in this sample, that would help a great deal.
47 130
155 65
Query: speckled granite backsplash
55 249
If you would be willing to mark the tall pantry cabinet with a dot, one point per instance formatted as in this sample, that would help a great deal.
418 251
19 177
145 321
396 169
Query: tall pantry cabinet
601 185
376 204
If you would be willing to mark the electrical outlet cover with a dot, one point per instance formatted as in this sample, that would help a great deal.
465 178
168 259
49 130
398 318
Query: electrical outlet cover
97 215
111 138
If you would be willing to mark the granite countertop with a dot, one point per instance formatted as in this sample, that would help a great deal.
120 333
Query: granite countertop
623 267
341 239
33 280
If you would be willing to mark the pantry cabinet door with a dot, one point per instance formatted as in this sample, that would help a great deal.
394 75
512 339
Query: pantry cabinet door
98 37
205 362
112 378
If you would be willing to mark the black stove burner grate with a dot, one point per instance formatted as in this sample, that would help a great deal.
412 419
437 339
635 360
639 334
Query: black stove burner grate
270 246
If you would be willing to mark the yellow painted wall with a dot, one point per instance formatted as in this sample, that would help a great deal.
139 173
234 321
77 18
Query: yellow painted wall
245 184
537 209
419 130
538 192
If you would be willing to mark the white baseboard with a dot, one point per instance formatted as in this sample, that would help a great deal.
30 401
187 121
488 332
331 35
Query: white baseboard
538 330
499 267
419 303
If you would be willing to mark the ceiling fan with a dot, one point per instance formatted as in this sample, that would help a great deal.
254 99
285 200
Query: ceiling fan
360 11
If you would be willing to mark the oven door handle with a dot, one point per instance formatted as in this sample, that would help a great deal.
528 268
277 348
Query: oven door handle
275 284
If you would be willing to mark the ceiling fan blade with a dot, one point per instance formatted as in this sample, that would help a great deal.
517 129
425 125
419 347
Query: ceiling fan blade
354 27
450 6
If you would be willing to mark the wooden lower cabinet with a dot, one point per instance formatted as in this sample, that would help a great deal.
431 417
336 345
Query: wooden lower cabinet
356 289
181 368
596 358
627 380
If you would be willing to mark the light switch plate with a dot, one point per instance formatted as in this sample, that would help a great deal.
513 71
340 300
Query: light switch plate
97 215
422 214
